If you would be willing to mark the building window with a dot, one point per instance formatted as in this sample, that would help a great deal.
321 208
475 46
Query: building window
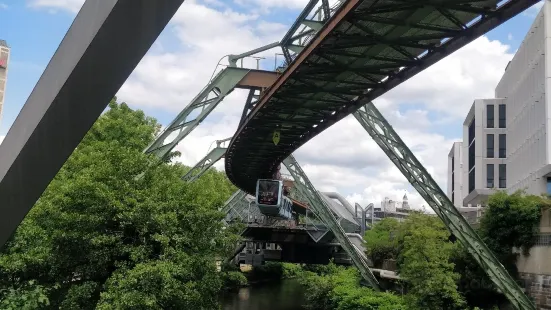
453 173
490 146
490 116
490 175
471 180
502 145
501 116
471 145
471 131
503 176
549 186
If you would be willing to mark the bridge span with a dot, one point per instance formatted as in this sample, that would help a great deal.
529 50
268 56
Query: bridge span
337 60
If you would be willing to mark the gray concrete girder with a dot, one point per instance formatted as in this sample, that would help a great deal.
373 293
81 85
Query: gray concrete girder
104 44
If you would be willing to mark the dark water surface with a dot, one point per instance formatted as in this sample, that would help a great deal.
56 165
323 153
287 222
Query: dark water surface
285 295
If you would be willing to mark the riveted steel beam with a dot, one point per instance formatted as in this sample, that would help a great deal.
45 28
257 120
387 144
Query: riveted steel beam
323 211
384 135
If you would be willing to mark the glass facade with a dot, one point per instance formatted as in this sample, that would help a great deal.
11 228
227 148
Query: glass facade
502 175
490 176
502 145
501 113
490 116
490 146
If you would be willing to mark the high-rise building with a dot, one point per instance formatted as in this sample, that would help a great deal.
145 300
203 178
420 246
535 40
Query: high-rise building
484 150
478 165
507 143
524 86
4 59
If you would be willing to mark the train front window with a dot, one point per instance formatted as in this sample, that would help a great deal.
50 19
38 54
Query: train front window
268 192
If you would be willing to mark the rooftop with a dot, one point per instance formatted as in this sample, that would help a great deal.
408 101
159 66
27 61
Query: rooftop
3 43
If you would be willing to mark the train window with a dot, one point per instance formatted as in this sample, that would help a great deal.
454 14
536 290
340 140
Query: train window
268 192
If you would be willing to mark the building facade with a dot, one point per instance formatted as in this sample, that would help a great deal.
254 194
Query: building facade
4 60
455 174
484 151
507 145
524 85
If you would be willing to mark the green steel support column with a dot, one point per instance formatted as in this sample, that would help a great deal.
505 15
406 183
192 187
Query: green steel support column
206 162
324 212
222 84
235 199
385 136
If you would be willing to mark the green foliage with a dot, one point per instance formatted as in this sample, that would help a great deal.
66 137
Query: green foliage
340 289
233 280
29 296
268 271
291 270
381 241
426 267
100 235
511 221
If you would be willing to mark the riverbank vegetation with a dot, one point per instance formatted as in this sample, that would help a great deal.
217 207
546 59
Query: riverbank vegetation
117 229
455 281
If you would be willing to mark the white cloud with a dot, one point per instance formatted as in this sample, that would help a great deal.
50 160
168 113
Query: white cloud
353 165
54 5
3 6
2 139
168 78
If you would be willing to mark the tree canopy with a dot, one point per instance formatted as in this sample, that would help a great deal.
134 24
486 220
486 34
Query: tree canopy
117 229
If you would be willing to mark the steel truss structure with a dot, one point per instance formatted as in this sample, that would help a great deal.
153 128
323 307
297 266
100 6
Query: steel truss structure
384 135
366 48
336 61
322 210
206 162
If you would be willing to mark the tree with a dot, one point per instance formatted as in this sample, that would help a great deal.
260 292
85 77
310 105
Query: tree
509 221
119 229
425 264
381 242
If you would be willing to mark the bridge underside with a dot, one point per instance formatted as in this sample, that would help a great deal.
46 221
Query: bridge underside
367 48
294 246
104 44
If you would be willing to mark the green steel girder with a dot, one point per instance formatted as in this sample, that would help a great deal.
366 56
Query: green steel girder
322 210
384 135
252 155
206 162
215 91
233 201
305 27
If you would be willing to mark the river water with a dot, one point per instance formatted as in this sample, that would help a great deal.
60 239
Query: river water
285 295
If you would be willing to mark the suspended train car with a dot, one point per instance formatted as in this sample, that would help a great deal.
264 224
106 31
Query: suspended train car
271 201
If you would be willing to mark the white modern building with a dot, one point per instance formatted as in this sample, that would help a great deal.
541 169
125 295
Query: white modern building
524 85
484 151
455 174
4 59
478 165
507 143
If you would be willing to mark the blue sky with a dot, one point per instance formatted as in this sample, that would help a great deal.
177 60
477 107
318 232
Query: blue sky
34 34
427 110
